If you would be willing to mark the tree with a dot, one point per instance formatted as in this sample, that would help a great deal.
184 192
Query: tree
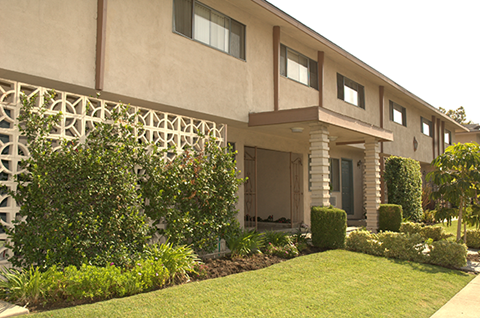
457 178
458 115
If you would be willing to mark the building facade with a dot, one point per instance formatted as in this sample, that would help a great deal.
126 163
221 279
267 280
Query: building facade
311 123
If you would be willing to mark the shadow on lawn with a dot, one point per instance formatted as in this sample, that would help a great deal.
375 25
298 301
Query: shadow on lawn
429 268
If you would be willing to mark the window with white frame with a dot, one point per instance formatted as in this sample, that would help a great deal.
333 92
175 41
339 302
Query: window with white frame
448 137
398 114
298 67
426 127
201 23
350 91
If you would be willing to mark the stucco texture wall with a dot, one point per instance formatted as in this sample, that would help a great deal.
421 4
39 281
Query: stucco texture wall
54 39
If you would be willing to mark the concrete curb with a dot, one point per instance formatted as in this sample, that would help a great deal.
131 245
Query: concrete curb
9 310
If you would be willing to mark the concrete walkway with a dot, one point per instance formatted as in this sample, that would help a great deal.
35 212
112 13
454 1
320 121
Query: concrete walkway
9 310
465 304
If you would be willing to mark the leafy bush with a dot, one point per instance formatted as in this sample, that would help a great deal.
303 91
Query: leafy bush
435 233
300 240
329 227
179 260
276 238
195 195
80 199
248 242
365 242
286 251
429 217
389 217
448 253
406 247
404 184
96 283
473 239
410 228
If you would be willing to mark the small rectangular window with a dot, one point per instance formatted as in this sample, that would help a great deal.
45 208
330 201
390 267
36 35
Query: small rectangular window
398 114
298 67
334 175
448 137
350 91
197 21
426 127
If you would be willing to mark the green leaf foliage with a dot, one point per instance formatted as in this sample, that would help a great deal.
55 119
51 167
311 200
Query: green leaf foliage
411 247
457 180
389 217
195 195
404 185
79 199
329 227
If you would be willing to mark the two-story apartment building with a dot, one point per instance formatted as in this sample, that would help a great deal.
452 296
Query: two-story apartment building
311 123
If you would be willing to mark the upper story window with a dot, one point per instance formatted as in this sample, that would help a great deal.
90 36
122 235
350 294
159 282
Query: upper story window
199 22
350 91
298 67
448 137
398 114
426 127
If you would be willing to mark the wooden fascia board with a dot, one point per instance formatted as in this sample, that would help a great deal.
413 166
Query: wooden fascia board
283 116
318 114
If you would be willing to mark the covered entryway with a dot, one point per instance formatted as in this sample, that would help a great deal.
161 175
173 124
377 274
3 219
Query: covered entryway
274 189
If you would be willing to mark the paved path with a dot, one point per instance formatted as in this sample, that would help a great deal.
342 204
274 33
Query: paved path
9 310
465 304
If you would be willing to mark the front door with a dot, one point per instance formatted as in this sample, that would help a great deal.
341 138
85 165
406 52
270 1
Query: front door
347 186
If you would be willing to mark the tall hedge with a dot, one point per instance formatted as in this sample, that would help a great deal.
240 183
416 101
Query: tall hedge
329 227
404 185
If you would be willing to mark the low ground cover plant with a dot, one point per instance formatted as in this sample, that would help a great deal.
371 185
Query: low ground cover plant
159 265
412 247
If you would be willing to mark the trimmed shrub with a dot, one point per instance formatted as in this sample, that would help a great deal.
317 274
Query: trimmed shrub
408 247
410 228
473 238
404 183
448 253
365 242
389 217
401 246
329 227
435 233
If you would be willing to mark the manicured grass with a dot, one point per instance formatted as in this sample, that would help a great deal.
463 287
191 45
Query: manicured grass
453 227
331 284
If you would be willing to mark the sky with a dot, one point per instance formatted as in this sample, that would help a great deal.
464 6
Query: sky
429 47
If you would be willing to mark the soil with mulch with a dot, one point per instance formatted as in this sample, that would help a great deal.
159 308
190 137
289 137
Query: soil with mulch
220 267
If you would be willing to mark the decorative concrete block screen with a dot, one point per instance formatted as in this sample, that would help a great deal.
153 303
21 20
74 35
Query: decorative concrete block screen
164 129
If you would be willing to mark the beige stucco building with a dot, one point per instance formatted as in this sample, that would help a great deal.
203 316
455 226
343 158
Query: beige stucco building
311 123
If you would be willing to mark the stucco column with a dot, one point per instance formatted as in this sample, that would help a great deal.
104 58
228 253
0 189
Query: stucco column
372 182
319 155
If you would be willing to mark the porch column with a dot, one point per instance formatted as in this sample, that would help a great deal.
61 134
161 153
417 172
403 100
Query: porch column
372 182
319 155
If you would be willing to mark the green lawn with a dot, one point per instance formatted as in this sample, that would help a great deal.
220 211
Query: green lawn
453 227
331 284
